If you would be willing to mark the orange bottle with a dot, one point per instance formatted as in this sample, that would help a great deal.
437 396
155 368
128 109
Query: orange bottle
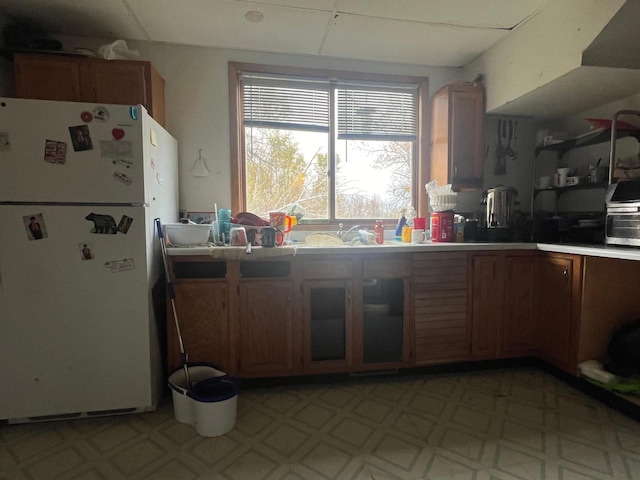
379 232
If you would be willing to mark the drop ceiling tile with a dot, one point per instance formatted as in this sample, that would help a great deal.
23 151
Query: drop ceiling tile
354 36
325 5
222 24
483 13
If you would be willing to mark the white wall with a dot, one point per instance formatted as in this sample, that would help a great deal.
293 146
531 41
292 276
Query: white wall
197 104
544 49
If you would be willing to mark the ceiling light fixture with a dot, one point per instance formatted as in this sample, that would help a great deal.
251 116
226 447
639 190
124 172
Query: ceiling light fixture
254 16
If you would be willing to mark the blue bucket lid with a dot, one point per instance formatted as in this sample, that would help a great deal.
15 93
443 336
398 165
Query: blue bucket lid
215 389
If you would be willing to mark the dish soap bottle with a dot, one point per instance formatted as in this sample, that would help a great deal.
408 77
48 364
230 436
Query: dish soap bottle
379 232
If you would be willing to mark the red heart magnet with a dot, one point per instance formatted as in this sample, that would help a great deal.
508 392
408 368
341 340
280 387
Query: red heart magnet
117 133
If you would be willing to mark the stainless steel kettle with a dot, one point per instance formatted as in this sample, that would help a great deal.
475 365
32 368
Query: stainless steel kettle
500 203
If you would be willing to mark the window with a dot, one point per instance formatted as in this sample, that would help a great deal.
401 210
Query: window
334 145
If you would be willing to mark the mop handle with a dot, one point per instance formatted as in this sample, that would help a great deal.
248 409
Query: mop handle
172 296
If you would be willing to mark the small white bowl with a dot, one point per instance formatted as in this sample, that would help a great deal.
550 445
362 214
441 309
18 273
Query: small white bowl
187 233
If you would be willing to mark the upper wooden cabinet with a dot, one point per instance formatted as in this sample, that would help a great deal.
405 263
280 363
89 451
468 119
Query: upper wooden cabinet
87 79
457 115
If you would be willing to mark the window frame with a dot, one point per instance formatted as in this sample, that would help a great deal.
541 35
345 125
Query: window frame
420 167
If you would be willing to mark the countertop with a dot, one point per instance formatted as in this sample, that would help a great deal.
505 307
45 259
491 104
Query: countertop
238 253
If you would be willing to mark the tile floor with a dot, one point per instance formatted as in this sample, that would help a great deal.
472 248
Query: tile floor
517 423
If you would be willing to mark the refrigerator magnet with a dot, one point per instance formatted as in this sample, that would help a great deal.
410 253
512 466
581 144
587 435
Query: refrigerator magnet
118 133
125 223
80 138
86 117
133 111
5 143
117 266
86 251
122 162
153 138
55 152
34 224
103 224
101 114
116 149
122 178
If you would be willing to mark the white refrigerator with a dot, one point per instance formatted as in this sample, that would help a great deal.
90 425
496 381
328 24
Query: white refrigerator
80 186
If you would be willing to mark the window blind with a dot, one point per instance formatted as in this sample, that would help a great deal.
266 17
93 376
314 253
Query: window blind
369 112
272 101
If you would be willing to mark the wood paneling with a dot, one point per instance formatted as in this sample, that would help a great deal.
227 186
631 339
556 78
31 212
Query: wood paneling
440 308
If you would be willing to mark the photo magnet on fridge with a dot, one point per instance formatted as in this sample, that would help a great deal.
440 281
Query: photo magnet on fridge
55 152
125 223
80 138
34 224
86 251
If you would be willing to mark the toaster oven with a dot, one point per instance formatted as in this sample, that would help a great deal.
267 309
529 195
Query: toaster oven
623 213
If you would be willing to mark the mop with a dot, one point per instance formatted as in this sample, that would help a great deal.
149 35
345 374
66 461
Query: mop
172 296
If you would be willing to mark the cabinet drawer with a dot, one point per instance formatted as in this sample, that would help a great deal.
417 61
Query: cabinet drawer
326 269
392 267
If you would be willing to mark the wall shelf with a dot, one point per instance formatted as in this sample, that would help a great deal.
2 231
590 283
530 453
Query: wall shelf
601 135
560 190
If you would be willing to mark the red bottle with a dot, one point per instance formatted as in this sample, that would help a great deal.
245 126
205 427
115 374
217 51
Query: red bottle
379 232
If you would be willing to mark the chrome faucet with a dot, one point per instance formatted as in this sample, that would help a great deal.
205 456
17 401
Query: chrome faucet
343 235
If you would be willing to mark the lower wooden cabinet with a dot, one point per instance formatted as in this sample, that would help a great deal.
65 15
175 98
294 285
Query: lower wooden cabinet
518 321
557 309
442 330
502 313
487 303
264 328
345 314
202 309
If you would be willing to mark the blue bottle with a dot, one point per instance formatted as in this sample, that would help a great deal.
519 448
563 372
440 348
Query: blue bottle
401 223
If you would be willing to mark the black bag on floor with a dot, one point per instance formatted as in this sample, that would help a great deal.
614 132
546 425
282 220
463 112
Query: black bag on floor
624 351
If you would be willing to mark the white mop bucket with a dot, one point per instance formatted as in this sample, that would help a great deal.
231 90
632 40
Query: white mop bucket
211 403
215 402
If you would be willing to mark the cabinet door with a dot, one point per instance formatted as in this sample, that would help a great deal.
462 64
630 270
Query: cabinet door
457 115
442 330
125 83
328 325
48 77
487 303
265 329
517 326
202 311
465 143
557 309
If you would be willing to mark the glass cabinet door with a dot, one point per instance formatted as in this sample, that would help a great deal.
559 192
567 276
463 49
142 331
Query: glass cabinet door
328 326
382 320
